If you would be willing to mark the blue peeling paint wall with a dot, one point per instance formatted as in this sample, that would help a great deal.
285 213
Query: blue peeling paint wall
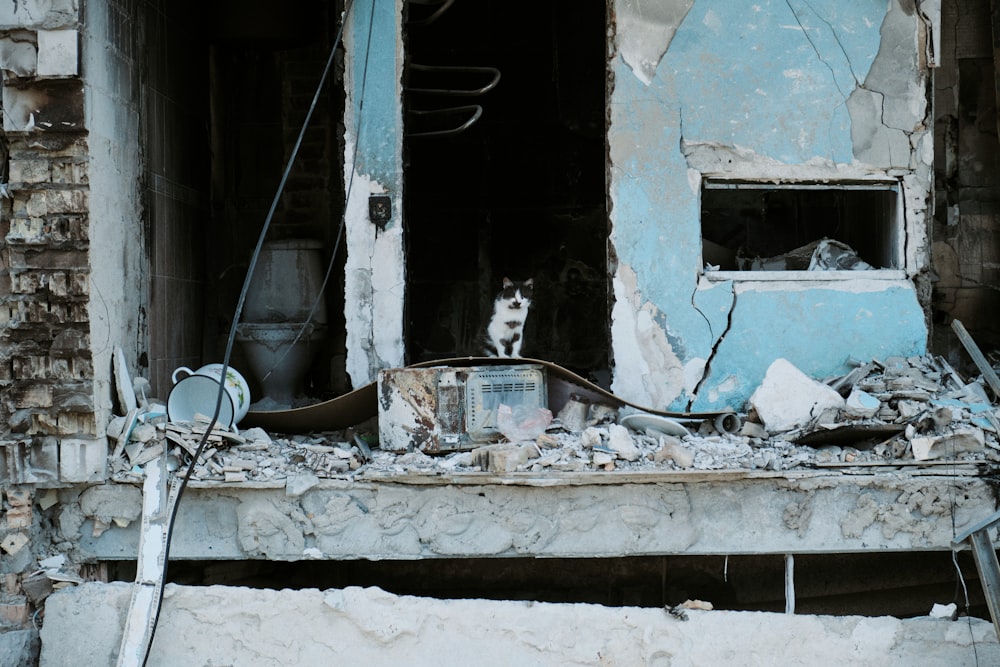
375 95
770 83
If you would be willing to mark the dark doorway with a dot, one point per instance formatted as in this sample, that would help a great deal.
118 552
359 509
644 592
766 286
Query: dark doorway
508 180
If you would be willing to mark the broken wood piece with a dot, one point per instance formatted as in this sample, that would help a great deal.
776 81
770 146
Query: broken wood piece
977 357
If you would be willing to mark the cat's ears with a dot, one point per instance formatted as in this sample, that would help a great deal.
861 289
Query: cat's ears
507 282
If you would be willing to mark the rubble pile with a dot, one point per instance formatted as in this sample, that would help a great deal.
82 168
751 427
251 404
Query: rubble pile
900 411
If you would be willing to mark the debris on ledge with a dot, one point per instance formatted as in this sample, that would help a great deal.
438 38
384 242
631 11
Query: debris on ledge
915 411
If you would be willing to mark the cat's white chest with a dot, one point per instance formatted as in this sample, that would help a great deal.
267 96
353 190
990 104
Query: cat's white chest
506 327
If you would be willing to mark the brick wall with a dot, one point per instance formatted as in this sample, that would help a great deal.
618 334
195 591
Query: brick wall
48 432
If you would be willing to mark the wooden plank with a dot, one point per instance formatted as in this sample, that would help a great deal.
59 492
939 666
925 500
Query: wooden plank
977 357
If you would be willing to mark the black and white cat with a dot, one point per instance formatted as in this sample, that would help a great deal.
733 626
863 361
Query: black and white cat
504 331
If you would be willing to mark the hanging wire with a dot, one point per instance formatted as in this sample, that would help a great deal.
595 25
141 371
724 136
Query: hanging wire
343 218
178 488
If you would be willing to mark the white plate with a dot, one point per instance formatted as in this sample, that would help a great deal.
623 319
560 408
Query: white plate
641 421
123 382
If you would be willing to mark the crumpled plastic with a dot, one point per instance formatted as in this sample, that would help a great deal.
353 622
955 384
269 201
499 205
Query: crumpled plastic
522 422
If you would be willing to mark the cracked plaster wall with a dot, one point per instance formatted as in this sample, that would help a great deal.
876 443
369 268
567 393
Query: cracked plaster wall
779 90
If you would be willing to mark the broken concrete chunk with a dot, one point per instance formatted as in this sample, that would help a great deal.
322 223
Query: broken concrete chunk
602 458
19 517
753 430
861 404
671 449
503 457
115 428
949 611
37 587
573 415
591 437
48 498
143 433
938 446
788 398
13 543
621 442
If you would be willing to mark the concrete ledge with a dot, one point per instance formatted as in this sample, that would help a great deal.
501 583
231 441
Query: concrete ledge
220 625
590 515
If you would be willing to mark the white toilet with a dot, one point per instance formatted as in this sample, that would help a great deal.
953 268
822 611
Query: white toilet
285 283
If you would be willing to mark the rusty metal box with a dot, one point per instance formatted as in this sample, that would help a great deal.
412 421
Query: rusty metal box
446 408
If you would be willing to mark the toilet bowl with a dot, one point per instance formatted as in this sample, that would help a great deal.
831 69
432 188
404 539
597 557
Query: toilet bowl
277 360
281 331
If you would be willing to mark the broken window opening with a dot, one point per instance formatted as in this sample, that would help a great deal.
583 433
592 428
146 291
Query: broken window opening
753 226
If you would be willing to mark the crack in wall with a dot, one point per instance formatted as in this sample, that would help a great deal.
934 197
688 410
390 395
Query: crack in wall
812 43
707 370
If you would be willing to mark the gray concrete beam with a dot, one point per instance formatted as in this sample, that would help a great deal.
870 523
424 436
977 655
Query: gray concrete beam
566 515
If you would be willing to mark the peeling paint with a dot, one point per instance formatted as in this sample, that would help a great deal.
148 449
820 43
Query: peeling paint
645 29
646 366
374 278
774 91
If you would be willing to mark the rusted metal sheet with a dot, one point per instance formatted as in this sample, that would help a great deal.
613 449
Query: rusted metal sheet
445 408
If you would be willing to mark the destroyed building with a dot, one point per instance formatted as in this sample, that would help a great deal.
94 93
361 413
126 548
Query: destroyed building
763 241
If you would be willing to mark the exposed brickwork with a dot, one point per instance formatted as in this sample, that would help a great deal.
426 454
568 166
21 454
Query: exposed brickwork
49 432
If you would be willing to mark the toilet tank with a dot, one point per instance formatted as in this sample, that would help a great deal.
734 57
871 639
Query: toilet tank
286 282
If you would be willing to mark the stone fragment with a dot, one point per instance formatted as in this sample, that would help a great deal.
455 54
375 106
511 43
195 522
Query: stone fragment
753 430
949 611
115 428
672 450
573 415
787 398
591 437
13 543
143 433
547 441
621 442
19 517
960 441
602 458
19 497
505 457
14 612
37 587
702 605
861 404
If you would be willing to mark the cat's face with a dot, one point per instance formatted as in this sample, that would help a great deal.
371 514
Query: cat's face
516 294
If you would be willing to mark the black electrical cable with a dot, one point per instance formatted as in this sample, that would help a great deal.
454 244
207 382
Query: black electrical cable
239 309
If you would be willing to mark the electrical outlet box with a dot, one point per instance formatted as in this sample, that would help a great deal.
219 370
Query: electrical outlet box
379 210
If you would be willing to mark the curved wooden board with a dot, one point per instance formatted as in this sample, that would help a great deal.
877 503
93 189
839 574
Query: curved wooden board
361 404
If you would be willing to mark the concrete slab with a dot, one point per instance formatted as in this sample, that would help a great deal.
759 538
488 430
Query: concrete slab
599 514
220 625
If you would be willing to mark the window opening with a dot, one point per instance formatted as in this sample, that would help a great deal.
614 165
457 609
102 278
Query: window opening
748 226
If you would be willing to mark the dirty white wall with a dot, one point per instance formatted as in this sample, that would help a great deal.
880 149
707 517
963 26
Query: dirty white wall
367 626
375 271
119 289
773 91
